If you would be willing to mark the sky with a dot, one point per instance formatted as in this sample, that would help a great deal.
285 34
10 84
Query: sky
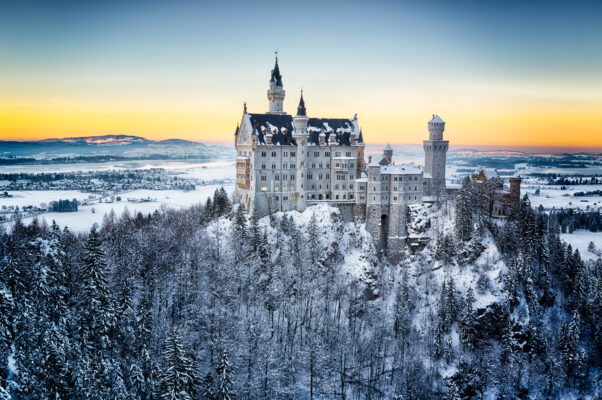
500 73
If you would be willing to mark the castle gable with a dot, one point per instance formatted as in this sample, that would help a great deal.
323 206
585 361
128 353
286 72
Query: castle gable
279 126
342 128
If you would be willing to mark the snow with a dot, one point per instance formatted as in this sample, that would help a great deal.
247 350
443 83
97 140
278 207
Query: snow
580 239
552 196
437 119
84 218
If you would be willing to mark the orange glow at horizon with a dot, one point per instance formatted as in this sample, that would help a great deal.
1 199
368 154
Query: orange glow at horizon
571 127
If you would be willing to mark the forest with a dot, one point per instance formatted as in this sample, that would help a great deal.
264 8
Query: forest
210 303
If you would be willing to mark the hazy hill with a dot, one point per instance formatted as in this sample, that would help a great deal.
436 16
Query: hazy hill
111 145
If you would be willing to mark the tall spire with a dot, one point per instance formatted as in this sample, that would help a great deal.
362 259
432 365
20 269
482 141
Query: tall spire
276 91
301 111
276 76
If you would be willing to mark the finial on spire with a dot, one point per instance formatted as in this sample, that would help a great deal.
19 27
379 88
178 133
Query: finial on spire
245 107
276 53
301 111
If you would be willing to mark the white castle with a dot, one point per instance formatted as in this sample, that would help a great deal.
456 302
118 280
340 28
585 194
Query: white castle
286 162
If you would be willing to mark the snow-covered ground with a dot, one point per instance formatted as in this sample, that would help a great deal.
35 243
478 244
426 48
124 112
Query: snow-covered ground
83 219
553 196
580 239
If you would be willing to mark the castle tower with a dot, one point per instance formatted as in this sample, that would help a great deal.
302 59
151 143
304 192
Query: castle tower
388 153
515 190
301 136
435 151
276 92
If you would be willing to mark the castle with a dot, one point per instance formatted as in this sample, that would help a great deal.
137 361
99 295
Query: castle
501 199
286 162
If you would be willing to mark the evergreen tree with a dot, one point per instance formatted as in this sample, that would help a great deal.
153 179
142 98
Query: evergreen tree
177 377
254 230
464 209
225 381
96 323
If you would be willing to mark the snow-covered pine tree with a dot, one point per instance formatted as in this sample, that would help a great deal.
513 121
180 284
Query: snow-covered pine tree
225 382
464 209
254 230
96 323
239 234
177 374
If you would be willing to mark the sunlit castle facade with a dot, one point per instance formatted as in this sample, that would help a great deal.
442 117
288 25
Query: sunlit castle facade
286 162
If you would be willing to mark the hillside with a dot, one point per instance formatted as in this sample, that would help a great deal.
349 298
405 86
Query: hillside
299 306
110 145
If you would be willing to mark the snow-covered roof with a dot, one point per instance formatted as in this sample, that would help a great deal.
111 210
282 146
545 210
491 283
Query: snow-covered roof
427 176
436 119
342 128
388 147
400 170
376 159
362 180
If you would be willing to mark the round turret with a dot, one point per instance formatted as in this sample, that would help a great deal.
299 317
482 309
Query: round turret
436 128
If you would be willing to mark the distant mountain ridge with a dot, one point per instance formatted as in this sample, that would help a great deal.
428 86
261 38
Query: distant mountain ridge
111 145
102 139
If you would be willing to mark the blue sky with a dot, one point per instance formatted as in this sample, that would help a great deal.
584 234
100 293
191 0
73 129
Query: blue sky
385 60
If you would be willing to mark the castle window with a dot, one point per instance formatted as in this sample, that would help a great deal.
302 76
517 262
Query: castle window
395 198
292 154
285 154
273 154
277 198
313 165
336 187
285 198
263 153
327 165
292 177
262 166
344 197
320 165
395 188
337 154
277 188
348 154
273 166
284 166
264 188
277 177
293 197
327 176
337 165
327 154
350 197
337 197
263 178
313 187
416 188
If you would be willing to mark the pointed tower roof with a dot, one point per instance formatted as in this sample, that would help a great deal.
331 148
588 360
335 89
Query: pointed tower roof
436 119
388 147
301 111
276 76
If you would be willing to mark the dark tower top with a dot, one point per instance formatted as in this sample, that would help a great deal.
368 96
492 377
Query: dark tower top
276 77
301 111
